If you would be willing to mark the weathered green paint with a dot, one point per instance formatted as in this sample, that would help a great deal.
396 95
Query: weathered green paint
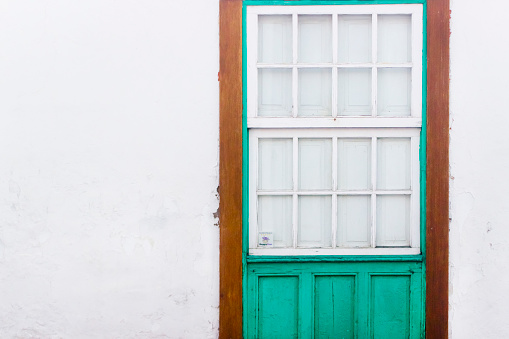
335 300
334 311
278 307
245 176
334 296
390 306
422 161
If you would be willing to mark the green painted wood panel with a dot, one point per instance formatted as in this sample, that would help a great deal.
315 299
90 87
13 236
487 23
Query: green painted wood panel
334 311
278 307
335 300
390 310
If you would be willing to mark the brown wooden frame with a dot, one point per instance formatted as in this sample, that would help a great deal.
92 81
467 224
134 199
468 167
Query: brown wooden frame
230 169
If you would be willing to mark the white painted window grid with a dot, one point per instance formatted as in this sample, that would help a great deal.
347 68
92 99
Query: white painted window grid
335 127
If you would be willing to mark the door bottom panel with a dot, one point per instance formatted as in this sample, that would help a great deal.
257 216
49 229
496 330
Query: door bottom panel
335 300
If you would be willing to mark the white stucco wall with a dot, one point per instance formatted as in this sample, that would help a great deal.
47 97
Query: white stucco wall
479 150
108 169
109 161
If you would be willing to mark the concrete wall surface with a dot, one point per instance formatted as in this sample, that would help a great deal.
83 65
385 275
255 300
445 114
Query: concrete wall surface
479 150
108 169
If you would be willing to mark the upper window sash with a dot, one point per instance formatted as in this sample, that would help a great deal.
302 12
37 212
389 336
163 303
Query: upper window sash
292 68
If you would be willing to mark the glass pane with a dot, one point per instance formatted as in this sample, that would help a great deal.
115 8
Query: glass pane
315 38
354 221
275 164
354 164
315 221
275 215
315 92
394 92
354 38
275 92
275 38
393 164
393 220
315 164
394 38
354 91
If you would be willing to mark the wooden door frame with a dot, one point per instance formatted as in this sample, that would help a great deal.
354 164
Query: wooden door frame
230 169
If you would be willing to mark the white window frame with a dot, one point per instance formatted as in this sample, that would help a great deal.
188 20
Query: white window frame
335 126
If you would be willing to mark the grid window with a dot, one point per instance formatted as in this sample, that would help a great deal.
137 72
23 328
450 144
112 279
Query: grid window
334 122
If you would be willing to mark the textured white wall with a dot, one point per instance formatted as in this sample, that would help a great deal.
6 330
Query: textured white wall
108 169
479 149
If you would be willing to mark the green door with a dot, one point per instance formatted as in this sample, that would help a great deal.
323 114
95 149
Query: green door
334 210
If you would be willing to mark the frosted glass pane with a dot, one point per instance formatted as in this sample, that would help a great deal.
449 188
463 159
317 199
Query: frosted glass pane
393 220
275 92
354 164
354 91
394 92
315 92
393 163
275 215
275 38
354 38
315 38
314 221
275 164
394 38
354 221
315 164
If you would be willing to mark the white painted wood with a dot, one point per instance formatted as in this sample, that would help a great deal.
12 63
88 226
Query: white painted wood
275 92
343 9
315 38
328 122
354 221
275 215
354 38
275 164
315 164
251 69
314 221
275 39
253 185
374 70
335 251
374 170
394 92
295 75
415 198
394 38
393 220
295 173
354 164
394 164
334 220
330 132
354 92
338 192
315 92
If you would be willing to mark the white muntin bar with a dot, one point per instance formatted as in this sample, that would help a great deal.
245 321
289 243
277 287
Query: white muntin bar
295 201
295 75
373 187
374 58
334 188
